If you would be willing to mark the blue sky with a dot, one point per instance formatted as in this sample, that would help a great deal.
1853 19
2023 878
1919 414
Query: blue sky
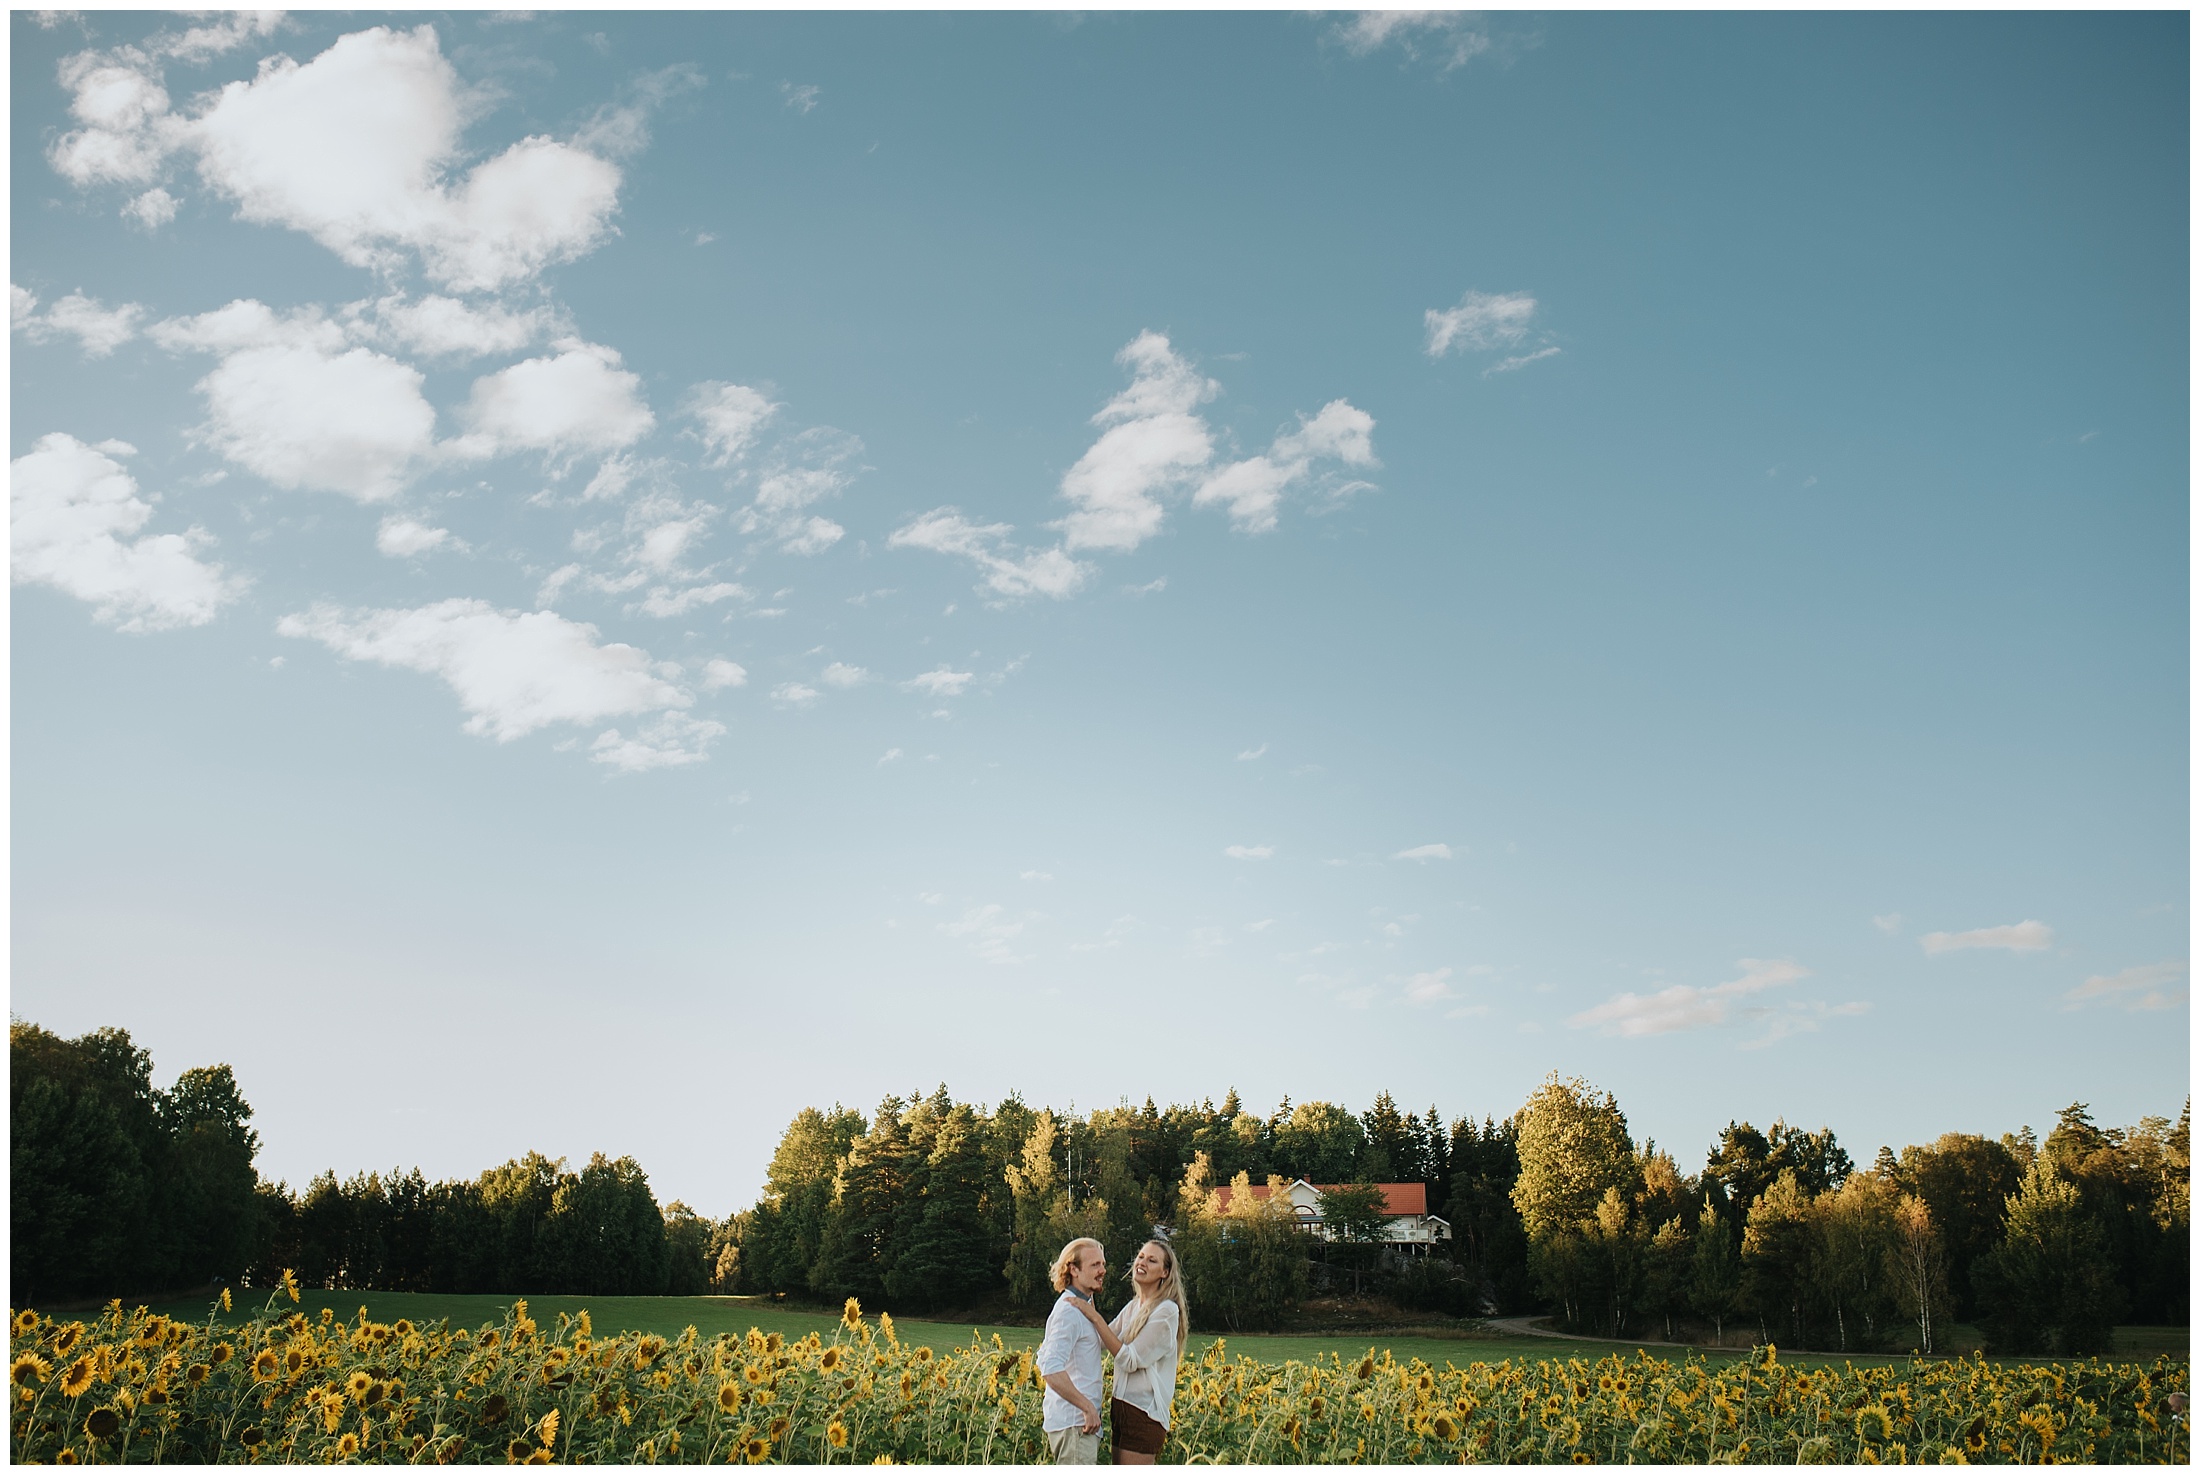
585 582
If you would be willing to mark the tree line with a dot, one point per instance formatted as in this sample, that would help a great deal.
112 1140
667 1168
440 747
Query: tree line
930 1204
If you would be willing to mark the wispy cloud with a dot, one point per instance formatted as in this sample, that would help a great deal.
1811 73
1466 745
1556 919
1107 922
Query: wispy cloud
1438 851
1890 924
1684 1007
1251 753
1519 361
1482 320
940 682
2018 937
1449 38
1428 988
990 932
1249 852
2148 986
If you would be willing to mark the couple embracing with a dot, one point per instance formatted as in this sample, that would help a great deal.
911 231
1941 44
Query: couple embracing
1146 1339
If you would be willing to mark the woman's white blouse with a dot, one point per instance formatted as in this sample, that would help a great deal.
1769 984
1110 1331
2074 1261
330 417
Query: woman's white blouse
1145 1370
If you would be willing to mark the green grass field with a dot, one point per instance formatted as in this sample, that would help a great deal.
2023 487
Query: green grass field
710 1315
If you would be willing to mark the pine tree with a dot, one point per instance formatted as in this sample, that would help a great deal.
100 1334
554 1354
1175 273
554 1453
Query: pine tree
2050 1286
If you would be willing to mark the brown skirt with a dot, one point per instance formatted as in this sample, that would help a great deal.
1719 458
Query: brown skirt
1136 1431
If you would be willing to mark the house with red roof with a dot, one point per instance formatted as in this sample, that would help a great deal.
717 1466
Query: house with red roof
1407 1223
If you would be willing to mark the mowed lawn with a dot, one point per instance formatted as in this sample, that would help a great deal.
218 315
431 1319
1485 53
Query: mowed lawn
710 1315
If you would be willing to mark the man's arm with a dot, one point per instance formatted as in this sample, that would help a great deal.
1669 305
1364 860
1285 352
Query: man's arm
1074 1396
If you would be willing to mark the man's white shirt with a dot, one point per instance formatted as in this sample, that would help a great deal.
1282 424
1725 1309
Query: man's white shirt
1072 1345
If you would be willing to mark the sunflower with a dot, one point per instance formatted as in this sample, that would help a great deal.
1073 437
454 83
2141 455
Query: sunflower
266 1365
196 1373
756 1451
924 1354
67 1337
356 1385
830 1359
729 1396
102 1423
252 1436
517 1451
836 1434
1366 1369
222 1353
227 1305
26 1322
376 1392
78 1378
1425 1383
1875 1415
753 1373
404 1328
779 1429
549 1428
66 1457
347 1446
851 1313
294 1362
773 1341
31 1368
290 1285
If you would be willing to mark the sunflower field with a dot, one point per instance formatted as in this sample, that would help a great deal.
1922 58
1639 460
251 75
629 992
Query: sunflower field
286 1387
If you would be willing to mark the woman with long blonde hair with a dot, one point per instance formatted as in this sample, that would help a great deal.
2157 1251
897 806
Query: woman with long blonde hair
1147 1341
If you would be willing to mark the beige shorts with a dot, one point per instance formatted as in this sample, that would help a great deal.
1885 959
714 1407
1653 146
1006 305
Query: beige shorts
1073 1446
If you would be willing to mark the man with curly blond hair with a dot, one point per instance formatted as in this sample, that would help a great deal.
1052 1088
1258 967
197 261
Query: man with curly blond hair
1069 1357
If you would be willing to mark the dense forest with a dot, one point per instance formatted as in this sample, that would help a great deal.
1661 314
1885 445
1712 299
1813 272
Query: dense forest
930 1204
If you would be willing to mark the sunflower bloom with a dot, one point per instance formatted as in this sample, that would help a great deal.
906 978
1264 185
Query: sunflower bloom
30 1368
836 1434
78 1378
266 1365
756 1451
549 1428
729 1396
347 1446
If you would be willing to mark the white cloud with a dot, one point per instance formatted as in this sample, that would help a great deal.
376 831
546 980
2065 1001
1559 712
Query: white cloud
1801 1019
578 403
803 470
1154 443
1009 572
674 740
2146 987
1482 320
22 306
356 148
794 694
1437 851
128 129
664 604
72 507
622 130
1035 875
731 416
1428 988
98 329
1249 852
1684 1007
720 674
1451 37
1253 489
403 537
940 682
1890 923
291 403
989 931
2020 937
229 31
513 672
1519 361
442 327
841 675
152 209
1250 754
802 98
891 755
